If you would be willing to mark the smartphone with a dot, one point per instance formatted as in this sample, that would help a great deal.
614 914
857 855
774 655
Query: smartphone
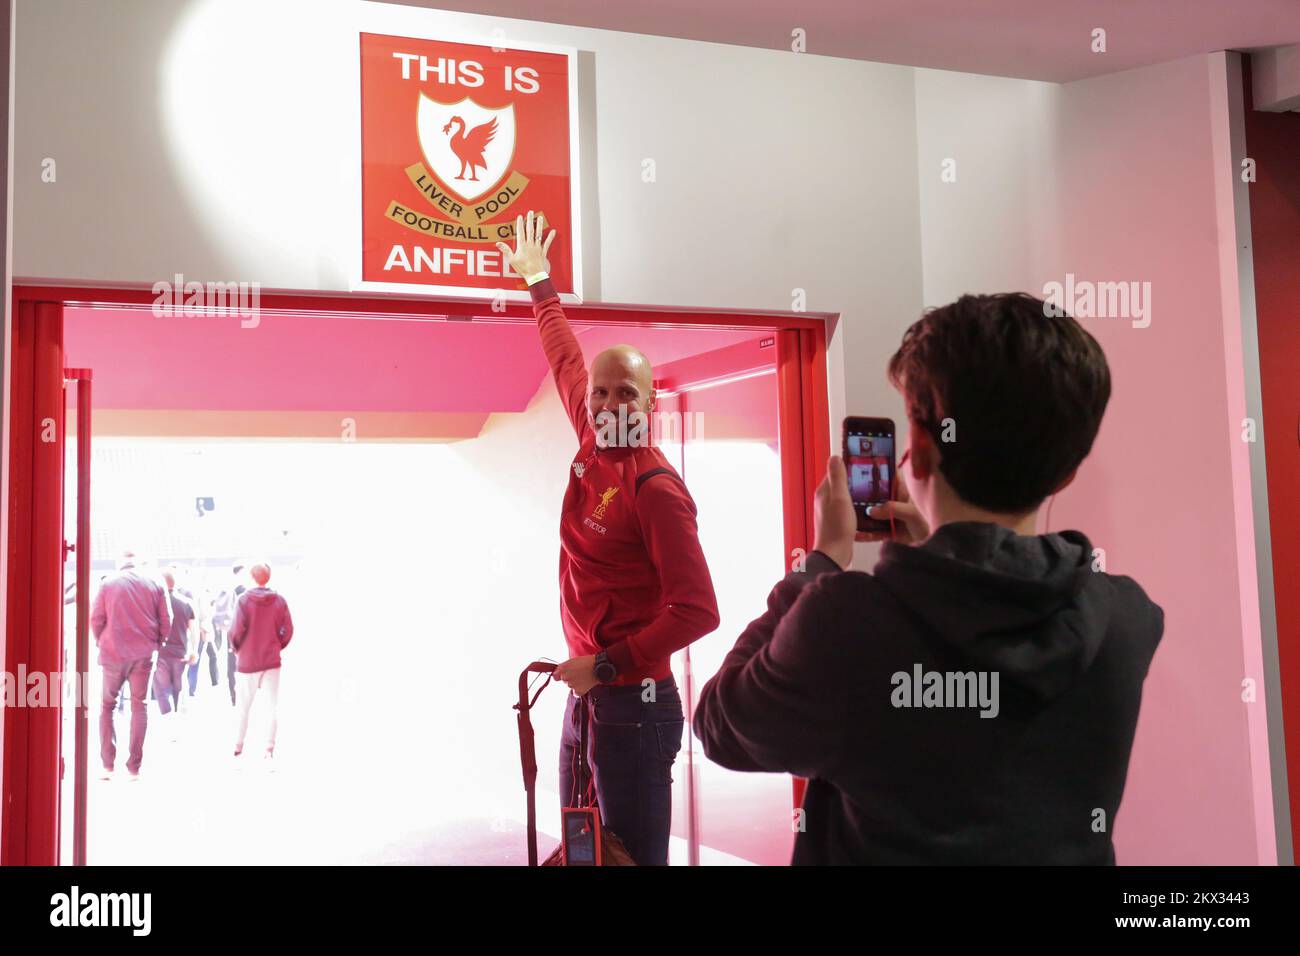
869 460
581 836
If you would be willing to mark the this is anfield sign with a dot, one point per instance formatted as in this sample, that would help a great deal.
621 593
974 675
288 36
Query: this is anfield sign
457 139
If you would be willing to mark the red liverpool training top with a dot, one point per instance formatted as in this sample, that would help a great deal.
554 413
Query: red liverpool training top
633 580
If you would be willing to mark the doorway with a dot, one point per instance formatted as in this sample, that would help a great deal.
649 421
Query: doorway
356 740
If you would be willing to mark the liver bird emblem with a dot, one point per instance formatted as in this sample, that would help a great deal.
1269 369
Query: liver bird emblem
469 144
606 497
468 147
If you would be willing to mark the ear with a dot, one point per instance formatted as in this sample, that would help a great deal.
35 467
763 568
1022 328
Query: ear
654 397
922 455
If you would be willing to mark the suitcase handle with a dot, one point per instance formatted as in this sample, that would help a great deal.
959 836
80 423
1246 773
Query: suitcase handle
527 747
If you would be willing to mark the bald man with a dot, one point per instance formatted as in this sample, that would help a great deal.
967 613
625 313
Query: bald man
634 585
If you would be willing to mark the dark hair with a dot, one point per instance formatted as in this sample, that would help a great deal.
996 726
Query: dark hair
1025 387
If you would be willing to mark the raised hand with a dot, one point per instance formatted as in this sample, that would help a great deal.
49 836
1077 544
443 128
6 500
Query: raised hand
529 255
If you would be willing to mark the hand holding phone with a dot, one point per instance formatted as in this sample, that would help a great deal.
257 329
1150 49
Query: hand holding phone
909 525
840 509
834 523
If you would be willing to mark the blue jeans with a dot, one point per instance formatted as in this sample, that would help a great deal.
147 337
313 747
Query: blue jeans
631 746
168 677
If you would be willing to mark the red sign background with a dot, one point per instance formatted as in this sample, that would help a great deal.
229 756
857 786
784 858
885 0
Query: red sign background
391 147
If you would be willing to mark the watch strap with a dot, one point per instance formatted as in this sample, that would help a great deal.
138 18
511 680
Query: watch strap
604 663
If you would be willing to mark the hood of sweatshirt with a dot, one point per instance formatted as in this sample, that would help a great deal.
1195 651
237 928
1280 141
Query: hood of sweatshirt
1021 605
260 595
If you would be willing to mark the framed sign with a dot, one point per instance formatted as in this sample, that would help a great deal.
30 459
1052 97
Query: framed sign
457 139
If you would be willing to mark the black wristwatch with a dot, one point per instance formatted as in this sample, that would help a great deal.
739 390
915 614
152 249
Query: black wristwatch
605 669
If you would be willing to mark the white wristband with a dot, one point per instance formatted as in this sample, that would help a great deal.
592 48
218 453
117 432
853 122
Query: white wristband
536 277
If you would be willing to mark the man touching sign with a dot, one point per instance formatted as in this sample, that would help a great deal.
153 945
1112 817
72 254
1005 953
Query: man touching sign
634 585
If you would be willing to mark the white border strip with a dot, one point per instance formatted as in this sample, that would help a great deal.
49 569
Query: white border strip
1249 473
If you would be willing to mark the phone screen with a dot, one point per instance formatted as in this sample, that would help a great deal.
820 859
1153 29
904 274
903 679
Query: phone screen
579 840
869 461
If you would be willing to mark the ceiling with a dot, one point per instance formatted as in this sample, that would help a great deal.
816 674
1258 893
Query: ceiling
1029 39
302 363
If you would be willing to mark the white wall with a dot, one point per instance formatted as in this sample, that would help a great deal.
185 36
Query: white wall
991 229
217 138
1113 179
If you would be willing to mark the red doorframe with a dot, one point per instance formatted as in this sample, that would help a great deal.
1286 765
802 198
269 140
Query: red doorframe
801 371
31 768
1272 140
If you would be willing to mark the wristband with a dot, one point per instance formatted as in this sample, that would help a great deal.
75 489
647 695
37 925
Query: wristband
536 277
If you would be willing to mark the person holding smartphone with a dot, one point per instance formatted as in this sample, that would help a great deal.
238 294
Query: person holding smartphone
634 585
973 699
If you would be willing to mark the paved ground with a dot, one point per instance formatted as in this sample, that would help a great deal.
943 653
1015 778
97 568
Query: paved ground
324 799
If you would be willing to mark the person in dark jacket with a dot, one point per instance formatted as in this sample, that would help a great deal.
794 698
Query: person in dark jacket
205 648
261 630
973 700
223 612
176 653
129 619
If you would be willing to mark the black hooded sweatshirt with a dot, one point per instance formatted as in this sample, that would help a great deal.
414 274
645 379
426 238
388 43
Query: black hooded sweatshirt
825 685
